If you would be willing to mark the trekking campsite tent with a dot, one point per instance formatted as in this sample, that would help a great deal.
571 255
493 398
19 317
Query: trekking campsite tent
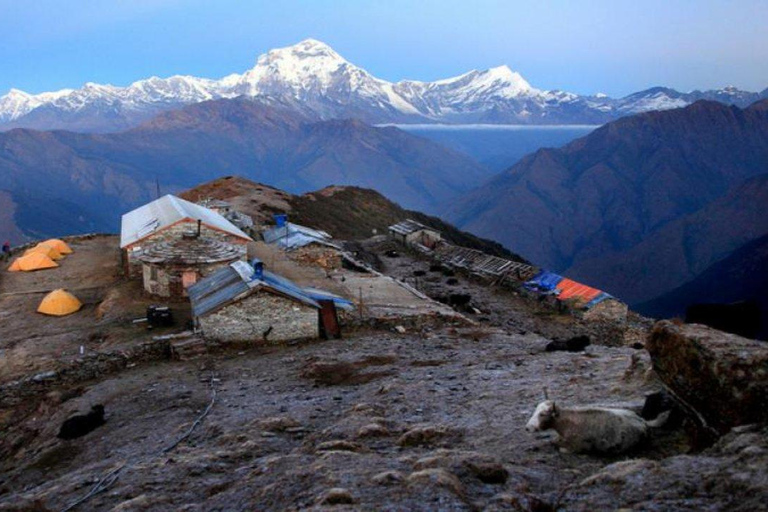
49 251
59 245
59 303
33 261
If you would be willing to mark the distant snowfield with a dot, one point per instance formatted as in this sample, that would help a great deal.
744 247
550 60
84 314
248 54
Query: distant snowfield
513 127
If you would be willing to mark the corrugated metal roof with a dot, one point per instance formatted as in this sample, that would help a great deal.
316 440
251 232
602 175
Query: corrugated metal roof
293 236
161 213
408 226
237 281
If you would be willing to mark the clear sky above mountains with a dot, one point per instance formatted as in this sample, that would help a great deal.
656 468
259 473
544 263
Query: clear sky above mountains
616 47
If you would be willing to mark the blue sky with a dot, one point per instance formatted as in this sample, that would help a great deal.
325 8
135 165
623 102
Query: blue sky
616 47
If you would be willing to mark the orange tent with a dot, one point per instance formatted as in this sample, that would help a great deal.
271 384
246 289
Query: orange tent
59 303
34 261
44 249
570 289
59 245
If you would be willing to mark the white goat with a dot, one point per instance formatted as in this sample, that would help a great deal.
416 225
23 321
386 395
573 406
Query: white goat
592 429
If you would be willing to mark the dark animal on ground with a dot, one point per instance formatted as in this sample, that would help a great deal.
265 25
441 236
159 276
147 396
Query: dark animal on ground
575 344
660 402
392 254
78 426
459 299
742 318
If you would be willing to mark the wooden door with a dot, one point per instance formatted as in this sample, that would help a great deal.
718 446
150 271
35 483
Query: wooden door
329 320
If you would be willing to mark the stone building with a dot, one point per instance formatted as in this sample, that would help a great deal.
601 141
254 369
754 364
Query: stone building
305 245
226 210
244 303
167 219
415 234
170 267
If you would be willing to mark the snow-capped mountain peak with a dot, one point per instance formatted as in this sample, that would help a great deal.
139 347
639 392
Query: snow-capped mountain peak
502 81
313 78
308 64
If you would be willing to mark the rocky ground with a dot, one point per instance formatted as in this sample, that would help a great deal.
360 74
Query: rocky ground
513 311
397 419
376 421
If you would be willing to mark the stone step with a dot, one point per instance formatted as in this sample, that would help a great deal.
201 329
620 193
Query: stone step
188 348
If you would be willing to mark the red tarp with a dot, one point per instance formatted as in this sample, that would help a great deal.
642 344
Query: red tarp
570 289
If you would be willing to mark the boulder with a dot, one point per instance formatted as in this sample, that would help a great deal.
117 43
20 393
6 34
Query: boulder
336 496
722 376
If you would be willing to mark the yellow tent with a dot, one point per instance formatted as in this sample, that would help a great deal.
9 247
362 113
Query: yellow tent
59 303
44 249
34 261
59 245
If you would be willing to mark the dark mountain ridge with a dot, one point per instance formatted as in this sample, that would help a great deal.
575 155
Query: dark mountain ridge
96 177
743 275
599 196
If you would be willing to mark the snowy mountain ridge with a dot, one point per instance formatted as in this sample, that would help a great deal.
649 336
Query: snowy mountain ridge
314 79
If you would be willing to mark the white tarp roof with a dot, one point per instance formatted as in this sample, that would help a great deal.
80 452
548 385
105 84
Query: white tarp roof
293 236
161 213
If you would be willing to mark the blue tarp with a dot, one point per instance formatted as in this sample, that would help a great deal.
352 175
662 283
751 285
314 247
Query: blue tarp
600 298
544 281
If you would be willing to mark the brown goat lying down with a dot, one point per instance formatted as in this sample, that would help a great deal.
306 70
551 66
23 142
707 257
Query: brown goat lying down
592 429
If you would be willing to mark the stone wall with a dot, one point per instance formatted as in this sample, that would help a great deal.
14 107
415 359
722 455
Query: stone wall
609 309
172 233
425 237
248 319
83 369
321 256
168 282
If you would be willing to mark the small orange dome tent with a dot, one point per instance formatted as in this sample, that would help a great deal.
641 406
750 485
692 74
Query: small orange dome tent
44 249
34 261
59 303
59 245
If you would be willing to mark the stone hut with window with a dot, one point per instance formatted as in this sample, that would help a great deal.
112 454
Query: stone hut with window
170 267
167 219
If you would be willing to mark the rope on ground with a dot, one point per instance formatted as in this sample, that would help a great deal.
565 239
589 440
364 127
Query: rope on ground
100 486
111 477
197 421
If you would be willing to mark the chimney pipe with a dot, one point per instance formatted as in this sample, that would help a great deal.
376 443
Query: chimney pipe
199 227
258 268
